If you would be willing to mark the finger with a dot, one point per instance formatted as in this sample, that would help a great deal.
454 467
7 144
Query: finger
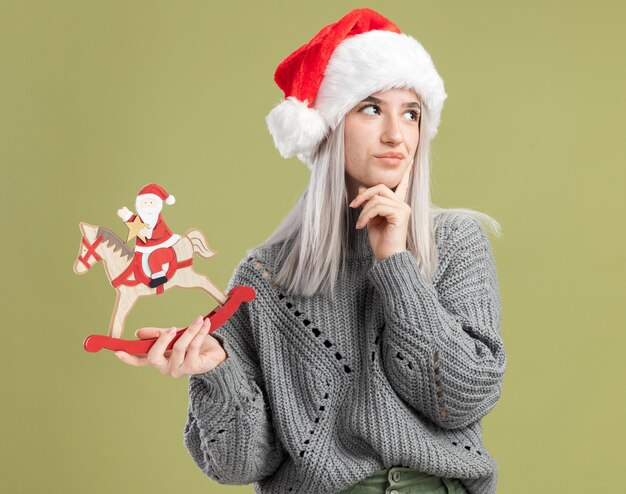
359 197
193 352
403 187
131 359
367 193
155 355
391 213
369 210
180 347
145 333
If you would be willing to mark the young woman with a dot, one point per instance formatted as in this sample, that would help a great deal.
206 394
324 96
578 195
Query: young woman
372 350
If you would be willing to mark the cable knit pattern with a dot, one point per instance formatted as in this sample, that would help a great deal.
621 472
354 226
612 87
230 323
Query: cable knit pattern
318 393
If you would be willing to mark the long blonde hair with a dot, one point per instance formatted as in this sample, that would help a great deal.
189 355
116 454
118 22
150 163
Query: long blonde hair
314 235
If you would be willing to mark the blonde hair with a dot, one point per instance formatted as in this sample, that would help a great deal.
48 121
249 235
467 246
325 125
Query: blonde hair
314 235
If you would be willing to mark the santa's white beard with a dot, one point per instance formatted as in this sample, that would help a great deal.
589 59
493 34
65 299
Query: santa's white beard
149 216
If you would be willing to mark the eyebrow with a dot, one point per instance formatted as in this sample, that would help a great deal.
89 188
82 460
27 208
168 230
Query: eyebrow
372 99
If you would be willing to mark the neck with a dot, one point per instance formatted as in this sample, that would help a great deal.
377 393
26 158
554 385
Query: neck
358 242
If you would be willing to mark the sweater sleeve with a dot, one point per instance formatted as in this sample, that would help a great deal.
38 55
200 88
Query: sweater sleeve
229 431
441 347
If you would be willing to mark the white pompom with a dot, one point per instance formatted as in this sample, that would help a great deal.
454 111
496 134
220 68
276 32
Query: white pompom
295 127
170 200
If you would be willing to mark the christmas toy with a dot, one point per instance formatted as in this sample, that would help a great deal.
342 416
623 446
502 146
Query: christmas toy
161 260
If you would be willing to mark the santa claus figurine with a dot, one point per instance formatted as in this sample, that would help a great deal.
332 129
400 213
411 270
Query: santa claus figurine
158 237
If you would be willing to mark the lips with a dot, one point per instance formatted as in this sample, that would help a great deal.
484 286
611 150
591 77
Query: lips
390 155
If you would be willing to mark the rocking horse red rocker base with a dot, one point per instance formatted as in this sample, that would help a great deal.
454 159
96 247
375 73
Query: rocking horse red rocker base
161 260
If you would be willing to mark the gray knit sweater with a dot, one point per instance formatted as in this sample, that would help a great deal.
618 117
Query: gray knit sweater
317 394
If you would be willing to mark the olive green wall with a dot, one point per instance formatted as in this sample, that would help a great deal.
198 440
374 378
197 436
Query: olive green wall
99 98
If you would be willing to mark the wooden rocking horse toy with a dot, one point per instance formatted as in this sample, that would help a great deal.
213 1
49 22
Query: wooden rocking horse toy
129 273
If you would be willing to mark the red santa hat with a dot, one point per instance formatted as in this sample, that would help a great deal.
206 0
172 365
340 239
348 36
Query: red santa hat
360 54
155 191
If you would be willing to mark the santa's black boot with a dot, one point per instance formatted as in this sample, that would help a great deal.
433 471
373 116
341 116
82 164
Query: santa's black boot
157 281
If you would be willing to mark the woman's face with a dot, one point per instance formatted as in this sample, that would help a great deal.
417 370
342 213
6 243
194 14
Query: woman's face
385 122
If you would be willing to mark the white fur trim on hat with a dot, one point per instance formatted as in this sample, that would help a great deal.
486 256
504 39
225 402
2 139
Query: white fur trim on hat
148 196
170 199
376 61
295 127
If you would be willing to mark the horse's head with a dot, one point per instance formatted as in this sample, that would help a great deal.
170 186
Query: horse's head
87 254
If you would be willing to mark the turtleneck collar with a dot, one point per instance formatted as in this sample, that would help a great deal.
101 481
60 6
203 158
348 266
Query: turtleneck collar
358 242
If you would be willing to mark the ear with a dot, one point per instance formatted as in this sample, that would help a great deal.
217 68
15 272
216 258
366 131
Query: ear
87 229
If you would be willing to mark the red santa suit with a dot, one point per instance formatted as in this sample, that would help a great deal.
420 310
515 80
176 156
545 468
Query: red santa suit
156 255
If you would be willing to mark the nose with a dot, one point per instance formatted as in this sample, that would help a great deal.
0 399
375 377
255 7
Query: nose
391 133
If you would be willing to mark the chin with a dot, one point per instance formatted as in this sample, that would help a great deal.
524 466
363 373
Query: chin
390 178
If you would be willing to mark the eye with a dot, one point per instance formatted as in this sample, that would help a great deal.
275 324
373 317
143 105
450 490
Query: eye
367 107
415 115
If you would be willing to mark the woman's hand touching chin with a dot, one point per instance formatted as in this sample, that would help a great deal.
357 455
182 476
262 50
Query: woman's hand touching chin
386 215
